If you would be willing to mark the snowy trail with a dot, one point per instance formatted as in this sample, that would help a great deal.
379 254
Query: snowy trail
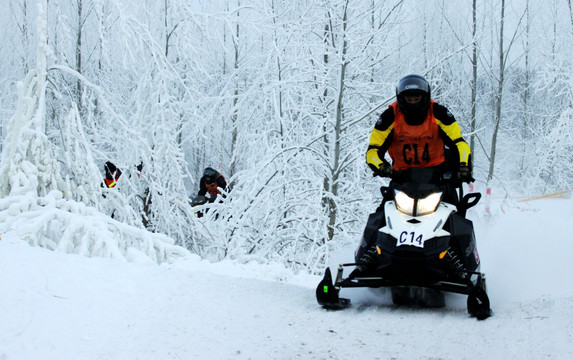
68 307
61 306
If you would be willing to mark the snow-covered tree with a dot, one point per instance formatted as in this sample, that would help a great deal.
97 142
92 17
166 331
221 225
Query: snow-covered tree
279 96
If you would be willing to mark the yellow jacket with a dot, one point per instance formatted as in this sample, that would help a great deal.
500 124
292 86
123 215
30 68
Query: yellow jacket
383 134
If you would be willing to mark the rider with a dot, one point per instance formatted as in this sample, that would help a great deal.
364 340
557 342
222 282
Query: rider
416 132
112 174
211 182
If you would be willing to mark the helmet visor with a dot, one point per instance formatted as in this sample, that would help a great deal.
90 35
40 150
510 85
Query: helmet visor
413 84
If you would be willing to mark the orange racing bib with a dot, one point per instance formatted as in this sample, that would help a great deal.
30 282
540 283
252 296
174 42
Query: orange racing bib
416 146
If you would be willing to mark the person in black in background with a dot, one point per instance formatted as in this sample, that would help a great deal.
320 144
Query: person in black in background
211 182
112 174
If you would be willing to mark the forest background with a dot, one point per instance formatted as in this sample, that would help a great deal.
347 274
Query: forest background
279 96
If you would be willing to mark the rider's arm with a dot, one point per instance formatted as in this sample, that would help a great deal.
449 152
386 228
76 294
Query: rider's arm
202 187
221 182
380 139
452 132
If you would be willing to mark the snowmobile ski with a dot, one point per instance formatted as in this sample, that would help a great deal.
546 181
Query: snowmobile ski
327 294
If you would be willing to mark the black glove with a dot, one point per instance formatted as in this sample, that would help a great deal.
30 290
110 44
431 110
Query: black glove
385 170
465 174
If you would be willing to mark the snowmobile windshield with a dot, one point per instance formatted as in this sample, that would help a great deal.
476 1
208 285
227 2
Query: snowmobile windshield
198 200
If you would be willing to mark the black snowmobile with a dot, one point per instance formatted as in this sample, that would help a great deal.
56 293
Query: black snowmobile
418 243
196 202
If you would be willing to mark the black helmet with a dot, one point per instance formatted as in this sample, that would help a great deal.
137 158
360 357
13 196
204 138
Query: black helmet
111 170
210 175
413 84
210 172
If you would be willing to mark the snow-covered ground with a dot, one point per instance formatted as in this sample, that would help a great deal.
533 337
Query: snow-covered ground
61 306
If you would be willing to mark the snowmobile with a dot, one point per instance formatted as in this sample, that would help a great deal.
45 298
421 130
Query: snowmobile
419 244
196 202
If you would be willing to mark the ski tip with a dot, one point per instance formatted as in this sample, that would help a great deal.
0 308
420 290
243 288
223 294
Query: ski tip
478 304
341 304
482 315
327 294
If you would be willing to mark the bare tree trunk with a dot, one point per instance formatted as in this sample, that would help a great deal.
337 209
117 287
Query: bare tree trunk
169 29
24 35
498 97
79 52
234 116
525 96
327 181
165 25
474 78
331 181
338 134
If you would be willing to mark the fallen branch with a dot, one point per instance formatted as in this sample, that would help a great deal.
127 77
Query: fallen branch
555 195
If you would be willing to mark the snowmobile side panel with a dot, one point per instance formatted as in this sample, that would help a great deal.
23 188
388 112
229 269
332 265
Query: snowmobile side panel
374 223
463 241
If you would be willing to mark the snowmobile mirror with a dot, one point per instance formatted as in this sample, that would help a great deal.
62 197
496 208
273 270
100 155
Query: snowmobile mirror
467 202
471 199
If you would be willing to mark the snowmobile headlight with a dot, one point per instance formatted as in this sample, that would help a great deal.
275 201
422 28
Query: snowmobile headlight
417 207
428 204
404 203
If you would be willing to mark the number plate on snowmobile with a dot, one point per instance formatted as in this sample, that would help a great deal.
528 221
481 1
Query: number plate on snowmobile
410 238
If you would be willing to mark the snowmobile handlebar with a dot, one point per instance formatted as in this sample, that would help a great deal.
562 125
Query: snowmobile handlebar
423 175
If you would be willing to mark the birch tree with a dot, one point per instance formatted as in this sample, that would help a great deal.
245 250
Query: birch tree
503 58
29 165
